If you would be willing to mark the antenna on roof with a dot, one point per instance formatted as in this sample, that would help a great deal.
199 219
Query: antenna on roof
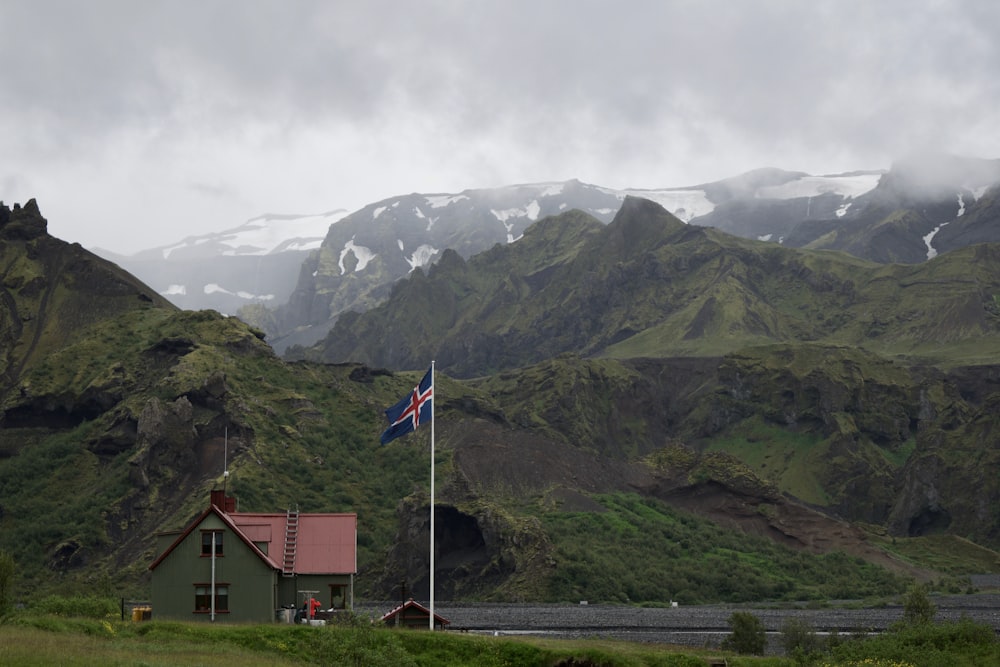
225 459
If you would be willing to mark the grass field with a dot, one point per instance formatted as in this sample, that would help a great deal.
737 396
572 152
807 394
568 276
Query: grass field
38 640
33 646
29 638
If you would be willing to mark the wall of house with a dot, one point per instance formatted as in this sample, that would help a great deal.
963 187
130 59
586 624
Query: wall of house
164 540
290 589
251 581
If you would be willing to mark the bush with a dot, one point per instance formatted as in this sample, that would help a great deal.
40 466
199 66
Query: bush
799 640
82 606
930 645
917 607
748 636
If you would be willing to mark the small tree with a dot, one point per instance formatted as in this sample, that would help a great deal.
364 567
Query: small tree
799 640
917 606
748 636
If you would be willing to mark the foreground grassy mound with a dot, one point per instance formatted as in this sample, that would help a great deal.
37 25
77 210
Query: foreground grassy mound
48 640
33 638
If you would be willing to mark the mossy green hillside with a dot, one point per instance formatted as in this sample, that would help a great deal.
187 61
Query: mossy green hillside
607 556
678 291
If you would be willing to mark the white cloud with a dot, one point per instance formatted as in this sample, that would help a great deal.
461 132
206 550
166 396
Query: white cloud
137 124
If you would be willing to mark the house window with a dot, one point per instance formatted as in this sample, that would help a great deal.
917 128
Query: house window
338 596
206 542
203 597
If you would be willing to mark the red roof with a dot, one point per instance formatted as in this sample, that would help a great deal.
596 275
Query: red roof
413 604
325 543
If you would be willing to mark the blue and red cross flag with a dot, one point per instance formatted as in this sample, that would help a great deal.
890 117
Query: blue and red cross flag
415 409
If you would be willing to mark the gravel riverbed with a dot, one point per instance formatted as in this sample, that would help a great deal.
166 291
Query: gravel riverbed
702 625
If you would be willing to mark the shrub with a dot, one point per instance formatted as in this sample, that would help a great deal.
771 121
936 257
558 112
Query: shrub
748 636
952 644
82 606
917 606
799 640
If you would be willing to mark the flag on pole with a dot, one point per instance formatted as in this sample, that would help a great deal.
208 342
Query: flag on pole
404 417
414 410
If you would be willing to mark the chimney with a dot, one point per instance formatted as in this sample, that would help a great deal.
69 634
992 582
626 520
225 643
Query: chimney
223 502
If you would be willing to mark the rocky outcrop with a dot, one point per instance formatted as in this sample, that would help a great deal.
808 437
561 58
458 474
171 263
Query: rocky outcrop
22 223
481 552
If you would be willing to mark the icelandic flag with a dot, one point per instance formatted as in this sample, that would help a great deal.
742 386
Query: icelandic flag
412 411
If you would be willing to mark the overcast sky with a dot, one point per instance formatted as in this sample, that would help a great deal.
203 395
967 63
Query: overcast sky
137 123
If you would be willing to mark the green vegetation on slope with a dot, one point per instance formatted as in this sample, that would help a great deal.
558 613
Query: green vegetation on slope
788 459
642 551
298 435
648 286
118 431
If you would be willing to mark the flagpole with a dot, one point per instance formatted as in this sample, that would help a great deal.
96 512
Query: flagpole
433 401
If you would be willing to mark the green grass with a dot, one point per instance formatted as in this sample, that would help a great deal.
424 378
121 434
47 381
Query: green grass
29 647
787 459
606 557
947 554
29 639
962 643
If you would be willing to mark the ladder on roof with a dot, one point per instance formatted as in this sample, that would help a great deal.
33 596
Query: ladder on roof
291 539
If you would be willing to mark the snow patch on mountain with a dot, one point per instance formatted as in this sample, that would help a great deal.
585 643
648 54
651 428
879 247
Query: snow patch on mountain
263 235
421 256
297 244
685 204
378 211
961 206
844 208
420 214
813 186
440 201
931 252
530 211
213 288
362 254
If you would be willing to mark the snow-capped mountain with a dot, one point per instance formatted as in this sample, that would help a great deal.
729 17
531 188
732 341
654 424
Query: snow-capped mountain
256 262
264 235
307 270
367 251
923 206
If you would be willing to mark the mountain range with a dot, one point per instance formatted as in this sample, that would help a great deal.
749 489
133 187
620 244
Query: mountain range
293 275
615 398
256 262
864 360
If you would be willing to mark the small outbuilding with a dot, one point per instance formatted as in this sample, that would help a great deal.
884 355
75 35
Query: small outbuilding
254 567
412 614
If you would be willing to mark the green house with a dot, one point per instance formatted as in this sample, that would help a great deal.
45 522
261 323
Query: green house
235 567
